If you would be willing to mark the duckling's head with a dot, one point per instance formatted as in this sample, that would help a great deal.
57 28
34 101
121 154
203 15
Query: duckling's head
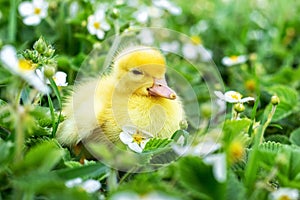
141 71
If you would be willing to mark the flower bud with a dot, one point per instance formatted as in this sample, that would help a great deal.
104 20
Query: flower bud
49 71
50 51
183 124
281 159
275 100
40 46
239 107
115 14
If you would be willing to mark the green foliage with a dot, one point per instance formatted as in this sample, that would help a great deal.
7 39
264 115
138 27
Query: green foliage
198 178
35 166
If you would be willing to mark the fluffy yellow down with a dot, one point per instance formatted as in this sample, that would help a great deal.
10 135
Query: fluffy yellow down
121 98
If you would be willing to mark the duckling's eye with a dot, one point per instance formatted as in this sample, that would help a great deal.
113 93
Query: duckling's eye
136 72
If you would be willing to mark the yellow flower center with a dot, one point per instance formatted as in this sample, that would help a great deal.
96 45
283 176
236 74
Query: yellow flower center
234 58
37 11
284 197
250 84
196 40
236 96
25 65
138 137
236 150
97 25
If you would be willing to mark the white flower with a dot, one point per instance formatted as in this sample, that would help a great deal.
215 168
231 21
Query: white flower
201 149
22 68
218 162
284 194
97 24
168 6
195 49
172 47
134 138
73 182
60 78
33 12
89 185
234 60
143 13
146 37
127 195
232 97
74 8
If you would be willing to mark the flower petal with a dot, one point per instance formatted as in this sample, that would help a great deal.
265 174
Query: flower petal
135 147
190 51
91 186
36 82
218 161
100 34
32 20
125 138
26 8
105 26
205 148
60 78
246 99
73 182
143 143
8 56
220 95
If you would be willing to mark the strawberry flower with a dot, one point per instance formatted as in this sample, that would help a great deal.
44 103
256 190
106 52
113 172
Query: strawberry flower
233 97
33 12
134 138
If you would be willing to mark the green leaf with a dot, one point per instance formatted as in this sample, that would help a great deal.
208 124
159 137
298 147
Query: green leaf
156 143
180 133
235 190
288 101
295 137
86 171
232 128
198 179
6 151
41 158
41 114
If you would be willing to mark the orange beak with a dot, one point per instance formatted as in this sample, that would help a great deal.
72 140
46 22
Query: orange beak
160 88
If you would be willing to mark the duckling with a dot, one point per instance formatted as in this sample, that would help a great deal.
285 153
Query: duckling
135 92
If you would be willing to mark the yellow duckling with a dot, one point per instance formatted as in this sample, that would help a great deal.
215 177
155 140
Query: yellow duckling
134 93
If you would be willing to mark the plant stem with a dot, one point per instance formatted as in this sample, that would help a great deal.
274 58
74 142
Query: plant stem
12 22
19 137
112 180
19 133
266 124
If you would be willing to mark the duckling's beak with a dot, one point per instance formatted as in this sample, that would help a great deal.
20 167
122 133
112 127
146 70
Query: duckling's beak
160 88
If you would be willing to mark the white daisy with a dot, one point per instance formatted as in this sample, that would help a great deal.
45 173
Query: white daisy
234 60
22 67
284 194
90 185
168 6
33 12
232 97
194 49
146 36
134 138
171 47
60 78
201 149
97 25
218 162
